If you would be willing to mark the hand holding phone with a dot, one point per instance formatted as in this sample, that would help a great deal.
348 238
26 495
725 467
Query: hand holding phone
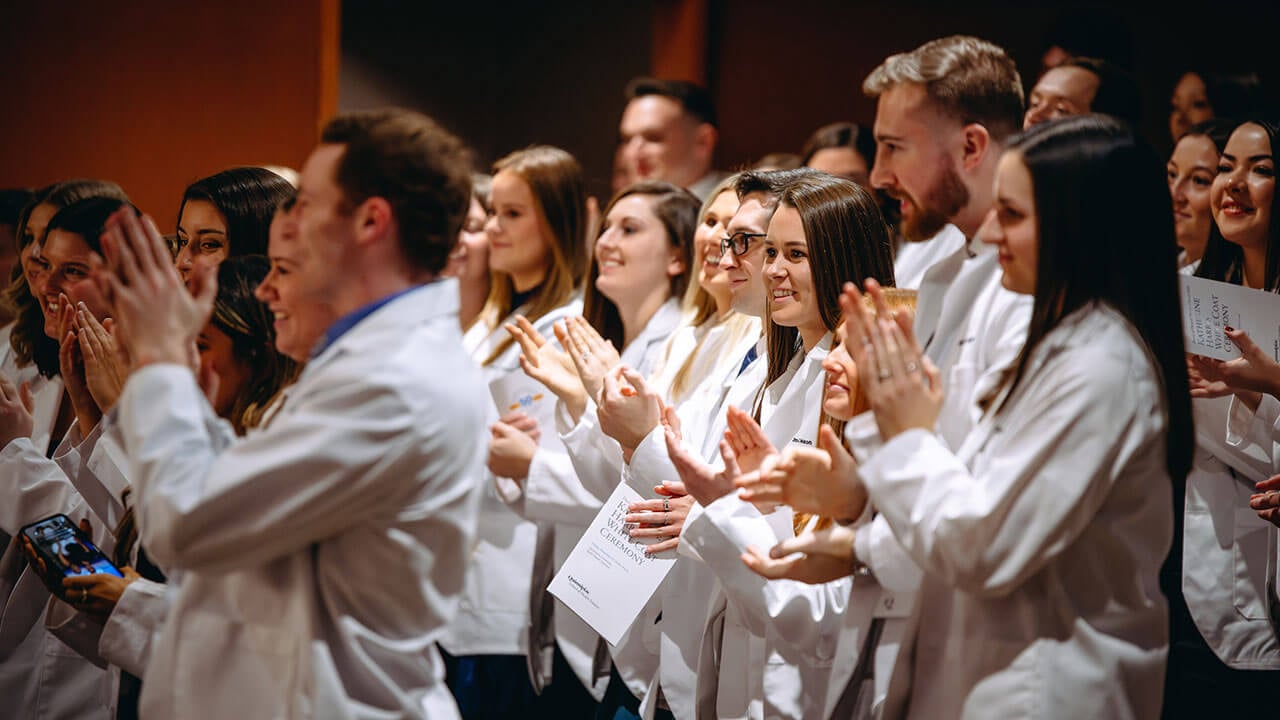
61 550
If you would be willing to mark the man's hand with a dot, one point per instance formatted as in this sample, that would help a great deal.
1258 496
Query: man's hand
811 557
157 316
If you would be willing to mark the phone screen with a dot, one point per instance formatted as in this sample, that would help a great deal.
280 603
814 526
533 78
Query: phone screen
66 550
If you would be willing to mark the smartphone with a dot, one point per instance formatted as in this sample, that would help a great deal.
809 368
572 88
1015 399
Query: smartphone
66 550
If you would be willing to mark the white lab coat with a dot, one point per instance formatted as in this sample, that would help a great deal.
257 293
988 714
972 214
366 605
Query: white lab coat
323 553
555 491
1041 540
1226 547
684 599
41 676
493 613
775 653
913 259
980 329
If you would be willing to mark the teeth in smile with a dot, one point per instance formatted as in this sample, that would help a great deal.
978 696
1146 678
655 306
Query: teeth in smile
782 293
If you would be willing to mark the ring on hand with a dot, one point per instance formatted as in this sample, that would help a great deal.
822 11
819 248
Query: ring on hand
912 366
666 518
885 374
84 596
666 504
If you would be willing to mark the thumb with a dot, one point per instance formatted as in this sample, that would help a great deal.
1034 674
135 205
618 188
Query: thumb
635 378
730 458
28 401
503 430
1248 348
828 441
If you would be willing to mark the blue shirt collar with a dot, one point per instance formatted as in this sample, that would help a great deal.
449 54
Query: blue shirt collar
350 320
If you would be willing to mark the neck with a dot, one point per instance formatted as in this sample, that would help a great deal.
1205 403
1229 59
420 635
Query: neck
526 281
638 314
811 335
1255 267
981 198
724 304
372 286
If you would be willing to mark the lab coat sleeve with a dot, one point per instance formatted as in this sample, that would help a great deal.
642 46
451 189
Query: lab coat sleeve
136 620
986 534
1247 427
876 547
553 492
338 458
805 617
34 487
597 458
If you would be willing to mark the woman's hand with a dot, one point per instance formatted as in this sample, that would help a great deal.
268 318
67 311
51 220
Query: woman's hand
903 387
513 444
592 355
810 557
549 365
72 369
822 480
1266 501
105 368
628 409
700 480
16 405
97 594
750 445
662 519
1248 376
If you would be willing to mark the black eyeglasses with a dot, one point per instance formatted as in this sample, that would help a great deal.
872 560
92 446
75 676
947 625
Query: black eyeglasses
739 242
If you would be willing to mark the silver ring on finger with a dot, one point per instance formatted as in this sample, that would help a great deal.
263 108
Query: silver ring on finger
912 366
666 504
885 374
666 518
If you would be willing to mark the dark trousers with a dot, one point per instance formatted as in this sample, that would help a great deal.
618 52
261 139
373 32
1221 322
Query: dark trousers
620 704
1198 685
493 687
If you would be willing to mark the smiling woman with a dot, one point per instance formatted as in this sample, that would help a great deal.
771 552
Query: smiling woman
226 215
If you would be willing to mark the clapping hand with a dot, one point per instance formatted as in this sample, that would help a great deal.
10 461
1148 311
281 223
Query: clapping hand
16 406
812 557
549 365
592 355
821 480
903 387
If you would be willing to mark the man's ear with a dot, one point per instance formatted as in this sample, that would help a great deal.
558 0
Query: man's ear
372 219
704 139
675 262
976 144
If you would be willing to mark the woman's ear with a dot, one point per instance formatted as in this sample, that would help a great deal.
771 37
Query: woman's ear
675 262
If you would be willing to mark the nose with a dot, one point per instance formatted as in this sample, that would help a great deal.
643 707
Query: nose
491 224
1179 192
990 232
263 291
881 178
728 260
183 260
1033 116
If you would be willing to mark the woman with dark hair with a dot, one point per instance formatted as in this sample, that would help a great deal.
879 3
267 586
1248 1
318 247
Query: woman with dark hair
826 232
228 214
28 351
237 348
1191 169
1041 539
69 219
1224 645
1199 96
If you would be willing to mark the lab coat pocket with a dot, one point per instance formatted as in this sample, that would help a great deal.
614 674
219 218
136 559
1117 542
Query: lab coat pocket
1250 559
259 661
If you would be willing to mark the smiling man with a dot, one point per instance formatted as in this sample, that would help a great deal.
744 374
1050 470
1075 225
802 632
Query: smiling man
668 132
322 555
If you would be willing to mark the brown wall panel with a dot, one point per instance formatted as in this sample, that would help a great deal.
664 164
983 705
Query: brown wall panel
154 94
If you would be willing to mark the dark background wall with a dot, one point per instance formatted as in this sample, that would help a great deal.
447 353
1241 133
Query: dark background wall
154 94
505 76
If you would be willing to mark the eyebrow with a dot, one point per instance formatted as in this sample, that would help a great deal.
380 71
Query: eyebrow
885 137
1251 158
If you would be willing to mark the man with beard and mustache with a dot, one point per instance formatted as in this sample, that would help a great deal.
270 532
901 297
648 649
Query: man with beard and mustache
944 112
